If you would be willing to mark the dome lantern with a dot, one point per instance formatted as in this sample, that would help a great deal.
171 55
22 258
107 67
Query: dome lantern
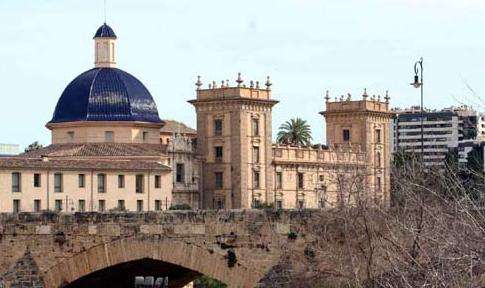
104 47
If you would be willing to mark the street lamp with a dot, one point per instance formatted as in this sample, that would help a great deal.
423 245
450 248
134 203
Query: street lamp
418 83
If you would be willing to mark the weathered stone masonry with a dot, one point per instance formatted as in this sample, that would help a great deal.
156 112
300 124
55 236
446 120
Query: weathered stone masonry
52 250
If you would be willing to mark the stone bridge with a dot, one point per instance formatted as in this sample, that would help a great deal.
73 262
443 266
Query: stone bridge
240 248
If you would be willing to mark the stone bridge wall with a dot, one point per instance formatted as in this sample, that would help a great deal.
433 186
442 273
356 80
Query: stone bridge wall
51 250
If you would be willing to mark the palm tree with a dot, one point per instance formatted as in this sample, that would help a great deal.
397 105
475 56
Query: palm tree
295 132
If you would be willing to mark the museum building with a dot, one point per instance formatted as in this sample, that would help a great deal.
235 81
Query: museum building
111 151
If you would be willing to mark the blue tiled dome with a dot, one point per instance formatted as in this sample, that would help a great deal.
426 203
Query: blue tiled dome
105 32
106 94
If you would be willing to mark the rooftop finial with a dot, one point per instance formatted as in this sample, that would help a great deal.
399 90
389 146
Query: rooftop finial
251 84
268 83
198 83
364 96
257 84
379 98
239 80
341 97
349 97
214 86
327 96
222 84
387 98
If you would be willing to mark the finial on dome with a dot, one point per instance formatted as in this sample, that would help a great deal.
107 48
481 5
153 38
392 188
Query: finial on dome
268 83
239 80
387 98
364 96
327 96
198 83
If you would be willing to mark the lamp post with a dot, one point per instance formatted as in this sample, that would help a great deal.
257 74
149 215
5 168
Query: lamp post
418 83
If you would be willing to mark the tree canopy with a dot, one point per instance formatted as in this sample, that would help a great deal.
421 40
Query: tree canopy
296 132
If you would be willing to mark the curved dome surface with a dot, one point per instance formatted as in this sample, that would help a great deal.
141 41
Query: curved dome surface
104 31
106 94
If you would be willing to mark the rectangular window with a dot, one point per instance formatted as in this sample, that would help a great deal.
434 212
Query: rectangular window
58 182
256 180
301 204
58 205
16 181
81 207
220 204
279 204
378 136
218 153
139 205
219 180
158 205
36 180
101 205
346 135
109 136
218 127
121 205
145 136
255 127
16 206
139 183
101 183
255 154
279 180
321 178
321 203
157 181
180 173
121 181
81 179
70 136
37 206
378 184
301 180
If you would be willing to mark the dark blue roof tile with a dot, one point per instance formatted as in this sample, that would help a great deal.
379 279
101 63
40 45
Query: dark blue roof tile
105 32
106 94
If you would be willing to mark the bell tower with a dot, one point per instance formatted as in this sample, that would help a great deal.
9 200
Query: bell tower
365 125
105 47
234 142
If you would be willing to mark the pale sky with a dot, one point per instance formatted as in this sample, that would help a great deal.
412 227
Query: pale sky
306 46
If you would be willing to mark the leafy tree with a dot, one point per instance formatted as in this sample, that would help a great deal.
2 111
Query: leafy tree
34 146
295 132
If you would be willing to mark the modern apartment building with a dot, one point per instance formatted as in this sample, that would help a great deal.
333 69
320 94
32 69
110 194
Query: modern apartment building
9 149
454 129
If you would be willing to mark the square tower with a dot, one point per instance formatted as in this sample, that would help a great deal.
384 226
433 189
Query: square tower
365 123
234 143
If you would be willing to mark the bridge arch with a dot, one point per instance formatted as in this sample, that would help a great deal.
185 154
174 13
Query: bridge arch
174 251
